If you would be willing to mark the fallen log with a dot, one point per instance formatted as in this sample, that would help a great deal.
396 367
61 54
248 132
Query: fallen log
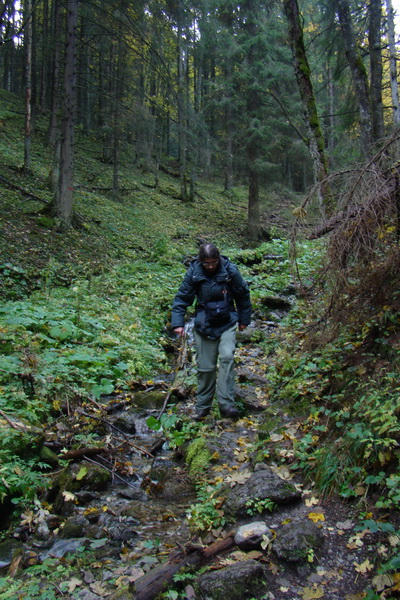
157 580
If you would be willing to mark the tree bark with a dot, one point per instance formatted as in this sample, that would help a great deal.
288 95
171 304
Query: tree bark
55 79
315 140
63 204
375 55
359 74
28 84
393 64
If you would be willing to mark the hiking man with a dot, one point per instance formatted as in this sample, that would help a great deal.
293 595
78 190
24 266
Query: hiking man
223 301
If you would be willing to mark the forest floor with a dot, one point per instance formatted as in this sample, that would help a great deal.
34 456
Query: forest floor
340 570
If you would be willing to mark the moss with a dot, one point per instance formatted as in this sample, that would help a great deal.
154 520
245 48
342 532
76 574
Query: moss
198 457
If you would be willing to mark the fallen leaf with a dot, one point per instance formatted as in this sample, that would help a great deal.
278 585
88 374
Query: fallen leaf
380 582
311 501
283 472
363 567
73 584
345 524
394 540
312 593
276 437
98 588
315 517
69 496
81 473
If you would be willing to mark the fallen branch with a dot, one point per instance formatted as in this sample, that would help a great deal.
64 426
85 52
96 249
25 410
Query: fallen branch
151 584
20 189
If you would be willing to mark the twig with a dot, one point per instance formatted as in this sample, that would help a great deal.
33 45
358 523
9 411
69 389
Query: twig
112 473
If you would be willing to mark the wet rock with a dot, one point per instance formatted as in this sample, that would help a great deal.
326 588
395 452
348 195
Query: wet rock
262 485
240 581
250 536
7 550
147 400
77 477
62 547
126 422
75 527
86 496
133 493
295 541
122 533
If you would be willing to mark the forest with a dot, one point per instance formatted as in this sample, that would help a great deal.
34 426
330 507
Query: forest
130 134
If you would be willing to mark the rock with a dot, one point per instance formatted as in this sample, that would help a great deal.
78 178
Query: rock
262 485
276 302
7 550
240 581
61 548
295 541
251 535
76 477
75 527
126 422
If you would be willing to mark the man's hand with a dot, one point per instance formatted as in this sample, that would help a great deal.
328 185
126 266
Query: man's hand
180 331
241 327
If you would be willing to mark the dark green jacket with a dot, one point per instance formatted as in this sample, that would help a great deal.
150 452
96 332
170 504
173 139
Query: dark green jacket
197 284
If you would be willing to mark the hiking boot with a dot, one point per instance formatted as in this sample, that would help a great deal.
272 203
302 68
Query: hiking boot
200 414
230 412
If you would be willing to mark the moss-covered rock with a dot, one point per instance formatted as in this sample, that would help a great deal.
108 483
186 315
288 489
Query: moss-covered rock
198 457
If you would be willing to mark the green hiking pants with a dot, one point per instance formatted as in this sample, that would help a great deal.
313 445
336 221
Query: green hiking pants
214 375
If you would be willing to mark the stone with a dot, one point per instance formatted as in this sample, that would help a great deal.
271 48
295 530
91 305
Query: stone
295 541
250 536
75 527
262 485
240 581
126 422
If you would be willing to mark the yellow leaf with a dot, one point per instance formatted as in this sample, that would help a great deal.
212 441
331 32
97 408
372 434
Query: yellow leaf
363 567
299 211
312 593
311 501
315 517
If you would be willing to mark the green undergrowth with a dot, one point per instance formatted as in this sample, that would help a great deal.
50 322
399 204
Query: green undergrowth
347 391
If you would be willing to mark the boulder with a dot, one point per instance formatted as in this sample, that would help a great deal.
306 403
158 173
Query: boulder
296 541
240 581
262 485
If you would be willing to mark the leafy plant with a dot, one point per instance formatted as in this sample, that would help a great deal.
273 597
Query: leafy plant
257 505
206 513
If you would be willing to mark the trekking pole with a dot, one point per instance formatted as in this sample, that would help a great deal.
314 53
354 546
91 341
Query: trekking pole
180 363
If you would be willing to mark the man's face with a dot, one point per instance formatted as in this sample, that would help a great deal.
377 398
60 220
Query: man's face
210 265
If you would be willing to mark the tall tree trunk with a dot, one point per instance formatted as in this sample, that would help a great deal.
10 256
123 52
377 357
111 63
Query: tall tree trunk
28 83
393 64
375 54
181 107
63 205
359 74
315 140
55 79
